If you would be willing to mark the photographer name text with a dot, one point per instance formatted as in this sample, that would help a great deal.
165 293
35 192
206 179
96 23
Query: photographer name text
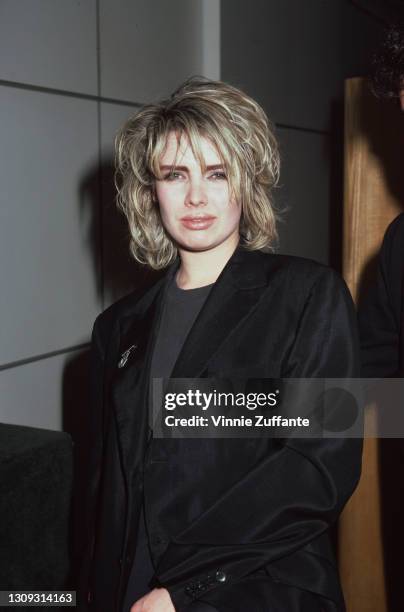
258 420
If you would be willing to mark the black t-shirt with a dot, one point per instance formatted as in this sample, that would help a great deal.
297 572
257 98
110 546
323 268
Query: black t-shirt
181 307
180 311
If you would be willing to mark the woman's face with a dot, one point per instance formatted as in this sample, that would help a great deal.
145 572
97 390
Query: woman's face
195 206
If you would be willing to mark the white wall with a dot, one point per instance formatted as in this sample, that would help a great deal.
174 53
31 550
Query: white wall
70 74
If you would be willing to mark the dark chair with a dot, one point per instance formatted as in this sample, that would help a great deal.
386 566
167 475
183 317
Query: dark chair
36 468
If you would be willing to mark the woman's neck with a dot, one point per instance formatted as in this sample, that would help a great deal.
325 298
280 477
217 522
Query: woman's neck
200 268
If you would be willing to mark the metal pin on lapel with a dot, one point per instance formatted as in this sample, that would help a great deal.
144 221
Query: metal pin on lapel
125 356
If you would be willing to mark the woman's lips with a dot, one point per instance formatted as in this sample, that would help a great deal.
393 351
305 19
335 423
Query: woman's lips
197 223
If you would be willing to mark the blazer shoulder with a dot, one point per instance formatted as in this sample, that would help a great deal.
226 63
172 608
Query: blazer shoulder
303 272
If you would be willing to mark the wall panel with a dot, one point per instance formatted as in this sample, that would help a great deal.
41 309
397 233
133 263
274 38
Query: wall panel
49 43
49 222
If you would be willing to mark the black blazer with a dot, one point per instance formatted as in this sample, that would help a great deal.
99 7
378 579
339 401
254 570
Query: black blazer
381 316
242 524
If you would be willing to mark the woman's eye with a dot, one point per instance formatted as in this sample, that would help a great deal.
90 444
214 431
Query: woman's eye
218 175
172 176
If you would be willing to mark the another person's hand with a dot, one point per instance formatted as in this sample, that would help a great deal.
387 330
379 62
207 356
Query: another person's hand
158 600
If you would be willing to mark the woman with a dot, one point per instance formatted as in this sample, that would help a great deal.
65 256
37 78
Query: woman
223 524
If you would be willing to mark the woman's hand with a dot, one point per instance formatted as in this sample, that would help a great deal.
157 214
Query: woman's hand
158 600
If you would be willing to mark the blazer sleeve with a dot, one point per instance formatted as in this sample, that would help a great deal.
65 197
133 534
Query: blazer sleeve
380 311
297 491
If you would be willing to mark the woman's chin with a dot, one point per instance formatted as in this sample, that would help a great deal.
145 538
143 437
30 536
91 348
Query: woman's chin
197 243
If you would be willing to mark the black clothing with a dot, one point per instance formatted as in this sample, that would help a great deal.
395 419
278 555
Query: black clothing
180 310
232 522
381 316
142 568
200 606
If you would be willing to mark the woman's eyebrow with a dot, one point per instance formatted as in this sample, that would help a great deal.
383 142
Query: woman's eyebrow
185 168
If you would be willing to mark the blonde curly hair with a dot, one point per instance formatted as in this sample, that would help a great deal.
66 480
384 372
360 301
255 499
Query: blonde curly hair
243 136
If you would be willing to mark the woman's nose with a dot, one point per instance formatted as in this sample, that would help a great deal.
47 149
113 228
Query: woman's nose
196 195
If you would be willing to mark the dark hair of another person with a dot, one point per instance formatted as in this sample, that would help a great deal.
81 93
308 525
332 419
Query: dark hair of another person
388 64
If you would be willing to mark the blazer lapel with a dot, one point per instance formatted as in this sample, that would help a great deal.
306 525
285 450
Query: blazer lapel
232 298
130 381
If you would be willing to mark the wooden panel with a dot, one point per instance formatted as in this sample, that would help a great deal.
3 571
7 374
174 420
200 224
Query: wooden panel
373 176
373 191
